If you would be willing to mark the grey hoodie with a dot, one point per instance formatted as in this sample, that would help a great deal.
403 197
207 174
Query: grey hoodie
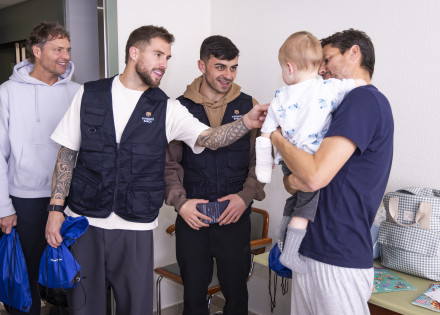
29 112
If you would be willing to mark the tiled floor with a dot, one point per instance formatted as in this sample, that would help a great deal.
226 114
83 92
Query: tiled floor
216 305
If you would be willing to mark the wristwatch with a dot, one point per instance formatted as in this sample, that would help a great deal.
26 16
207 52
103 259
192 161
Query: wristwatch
56 208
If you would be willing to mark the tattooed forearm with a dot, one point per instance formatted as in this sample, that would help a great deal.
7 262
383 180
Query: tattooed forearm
62 174
223 135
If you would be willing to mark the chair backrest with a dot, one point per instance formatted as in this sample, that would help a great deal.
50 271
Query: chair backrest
259 230
259 223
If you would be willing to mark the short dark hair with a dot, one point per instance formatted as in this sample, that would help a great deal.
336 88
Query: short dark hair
41 34
143 35
346 39
218 46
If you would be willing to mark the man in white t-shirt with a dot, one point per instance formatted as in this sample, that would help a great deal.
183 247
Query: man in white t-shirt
111 163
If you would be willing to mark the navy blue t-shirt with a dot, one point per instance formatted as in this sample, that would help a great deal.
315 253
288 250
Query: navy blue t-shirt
340 234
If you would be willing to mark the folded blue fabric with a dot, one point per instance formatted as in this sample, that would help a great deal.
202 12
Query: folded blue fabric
58 267
14 282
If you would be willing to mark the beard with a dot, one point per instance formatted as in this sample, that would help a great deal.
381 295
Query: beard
146 76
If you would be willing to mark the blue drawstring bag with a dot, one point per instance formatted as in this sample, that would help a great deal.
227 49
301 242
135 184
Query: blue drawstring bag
276 265
58 267
279 270
14 282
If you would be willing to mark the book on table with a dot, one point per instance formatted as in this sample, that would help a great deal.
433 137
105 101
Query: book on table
386 281
429 299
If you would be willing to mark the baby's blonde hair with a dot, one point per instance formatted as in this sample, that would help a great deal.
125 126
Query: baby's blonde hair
303 49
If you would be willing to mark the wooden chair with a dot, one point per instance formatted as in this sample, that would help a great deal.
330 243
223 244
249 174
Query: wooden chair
259 242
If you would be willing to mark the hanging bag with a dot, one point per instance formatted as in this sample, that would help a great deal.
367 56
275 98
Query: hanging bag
14 282
59 271
279 270
58 267
410 236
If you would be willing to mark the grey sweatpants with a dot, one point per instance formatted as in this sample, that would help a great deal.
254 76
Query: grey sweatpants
120 258
331 290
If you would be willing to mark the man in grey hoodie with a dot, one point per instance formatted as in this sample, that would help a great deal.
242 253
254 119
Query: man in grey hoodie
32 102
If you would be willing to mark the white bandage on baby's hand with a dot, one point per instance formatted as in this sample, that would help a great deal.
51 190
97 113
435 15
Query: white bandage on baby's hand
263 168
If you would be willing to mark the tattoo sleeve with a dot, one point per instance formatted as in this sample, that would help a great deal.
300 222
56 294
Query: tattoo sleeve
62 174
223 135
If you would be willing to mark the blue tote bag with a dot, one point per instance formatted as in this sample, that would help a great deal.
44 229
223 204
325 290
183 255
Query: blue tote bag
14 282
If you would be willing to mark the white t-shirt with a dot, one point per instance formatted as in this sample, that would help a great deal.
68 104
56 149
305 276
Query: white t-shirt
304 110
179 124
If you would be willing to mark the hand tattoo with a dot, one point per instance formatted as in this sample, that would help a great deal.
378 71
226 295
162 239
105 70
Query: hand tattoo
223 135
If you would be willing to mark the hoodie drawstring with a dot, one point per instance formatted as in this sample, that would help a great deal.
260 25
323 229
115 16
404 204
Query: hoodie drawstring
37 109
68 93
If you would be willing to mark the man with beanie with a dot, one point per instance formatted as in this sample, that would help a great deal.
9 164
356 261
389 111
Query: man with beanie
32 102
226 174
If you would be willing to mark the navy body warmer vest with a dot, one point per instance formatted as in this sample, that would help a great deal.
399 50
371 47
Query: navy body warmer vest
125 178
216 173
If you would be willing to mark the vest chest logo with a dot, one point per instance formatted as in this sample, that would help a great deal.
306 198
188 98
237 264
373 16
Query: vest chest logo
148 119
236 115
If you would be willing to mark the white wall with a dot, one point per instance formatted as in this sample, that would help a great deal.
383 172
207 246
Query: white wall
407 71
